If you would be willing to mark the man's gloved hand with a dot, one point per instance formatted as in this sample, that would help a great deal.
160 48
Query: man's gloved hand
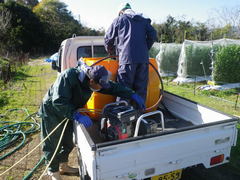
110 50
85 120
139 102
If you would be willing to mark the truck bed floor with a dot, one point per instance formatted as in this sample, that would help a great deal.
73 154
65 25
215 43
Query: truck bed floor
170 123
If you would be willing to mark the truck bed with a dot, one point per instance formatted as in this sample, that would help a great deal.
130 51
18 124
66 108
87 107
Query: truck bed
196 116
193 135
171 123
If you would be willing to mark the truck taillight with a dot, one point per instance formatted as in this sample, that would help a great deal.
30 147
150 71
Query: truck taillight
217 159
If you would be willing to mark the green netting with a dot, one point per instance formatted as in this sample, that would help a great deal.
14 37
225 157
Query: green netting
195 59
168 56
154 50
206 58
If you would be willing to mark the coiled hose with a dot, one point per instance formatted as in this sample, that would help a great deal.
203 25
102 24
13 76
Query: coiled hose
12 131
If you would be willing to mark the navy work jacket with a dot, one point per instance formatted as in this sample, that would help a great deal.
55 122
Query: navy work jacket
135 36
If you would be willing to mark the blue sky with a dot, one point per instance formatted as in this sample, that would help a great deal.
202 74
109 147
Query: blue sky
100 13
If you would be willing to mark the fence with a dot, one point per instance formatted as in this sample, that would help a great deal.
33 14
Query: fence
10 64
226 92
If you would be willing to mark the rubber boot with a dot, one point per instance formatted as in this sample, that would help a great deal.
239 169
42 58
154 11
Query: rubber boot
64 168
54 175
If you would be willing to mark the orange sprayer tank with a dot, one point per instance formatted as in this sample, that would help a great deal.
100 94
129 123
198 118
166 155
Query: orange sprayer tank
98 100
153 89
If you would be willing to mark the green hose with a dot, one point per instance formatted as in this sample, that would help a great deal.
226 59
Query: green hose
12 131
9 138
29 174
5 144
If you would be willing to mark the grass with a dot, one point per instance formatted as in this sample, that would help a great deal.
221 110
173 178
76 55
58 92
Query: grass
23 91
230 170
217 102
3 61
22 94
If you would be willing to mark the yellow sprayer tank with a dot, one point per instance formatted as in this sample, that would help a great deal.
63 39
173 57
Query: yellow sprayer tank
98 100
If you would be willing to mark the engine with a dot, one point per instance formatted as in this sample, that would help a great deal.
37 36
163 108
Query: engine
119 122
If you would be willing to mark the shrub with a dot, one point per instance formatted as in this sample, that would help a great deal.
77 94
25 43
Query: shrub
227 64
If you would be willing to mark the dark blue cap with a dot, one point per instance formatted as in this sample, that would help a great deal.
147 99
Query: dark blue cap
100 75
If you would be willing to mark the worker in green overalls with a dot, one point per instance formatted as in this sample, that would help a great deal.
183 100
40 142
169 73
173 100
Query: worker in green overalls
69 92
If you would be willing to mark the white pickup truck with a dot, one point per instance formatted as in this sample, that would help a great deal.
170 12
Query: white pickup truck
187 133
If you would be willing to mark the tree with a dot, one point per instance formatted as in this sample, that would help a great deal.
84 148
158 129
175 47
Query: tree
199 32
183 29
31 3
5 20
219 33
168 30
24 34
58 22
226 16
176 30
156 27
165 31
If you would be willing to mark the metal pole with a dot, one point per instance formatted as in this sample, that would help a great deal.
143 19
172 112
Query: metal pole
184 35
195 84
145 115
237 98
167 78
204 70
211 56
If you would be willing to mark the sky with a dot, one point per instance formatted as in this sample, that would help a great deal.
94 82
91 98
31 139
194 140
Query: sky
98 14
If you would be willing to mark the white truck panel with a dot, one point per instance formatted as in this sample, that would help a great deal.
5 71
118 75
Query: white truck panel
82 140
165 153
193 112
71 45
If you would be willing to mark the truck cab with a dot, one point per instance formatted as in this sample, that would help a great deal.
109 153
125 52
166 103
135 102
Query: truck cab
72 49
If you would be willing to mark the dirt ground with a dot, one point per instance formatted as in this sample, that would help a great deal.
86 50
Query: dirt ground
26 165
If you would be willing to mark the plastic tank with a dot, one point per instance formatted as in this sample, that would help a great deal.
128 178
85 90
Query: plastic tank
98 100
153 89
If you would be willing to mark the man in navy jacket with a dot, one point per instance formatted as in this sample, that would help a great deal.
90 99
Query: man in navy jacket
135 37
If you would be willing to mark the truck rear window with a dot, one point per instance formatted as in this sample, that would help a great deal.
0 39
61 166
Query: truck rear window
99 51
86 51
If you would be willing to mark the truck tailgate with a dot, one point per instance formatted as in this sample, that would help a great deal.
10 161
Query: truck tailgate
166 153
146 157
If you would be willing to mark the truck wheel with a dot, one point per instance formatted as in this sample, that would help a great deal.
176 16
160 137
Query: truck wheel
87 177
